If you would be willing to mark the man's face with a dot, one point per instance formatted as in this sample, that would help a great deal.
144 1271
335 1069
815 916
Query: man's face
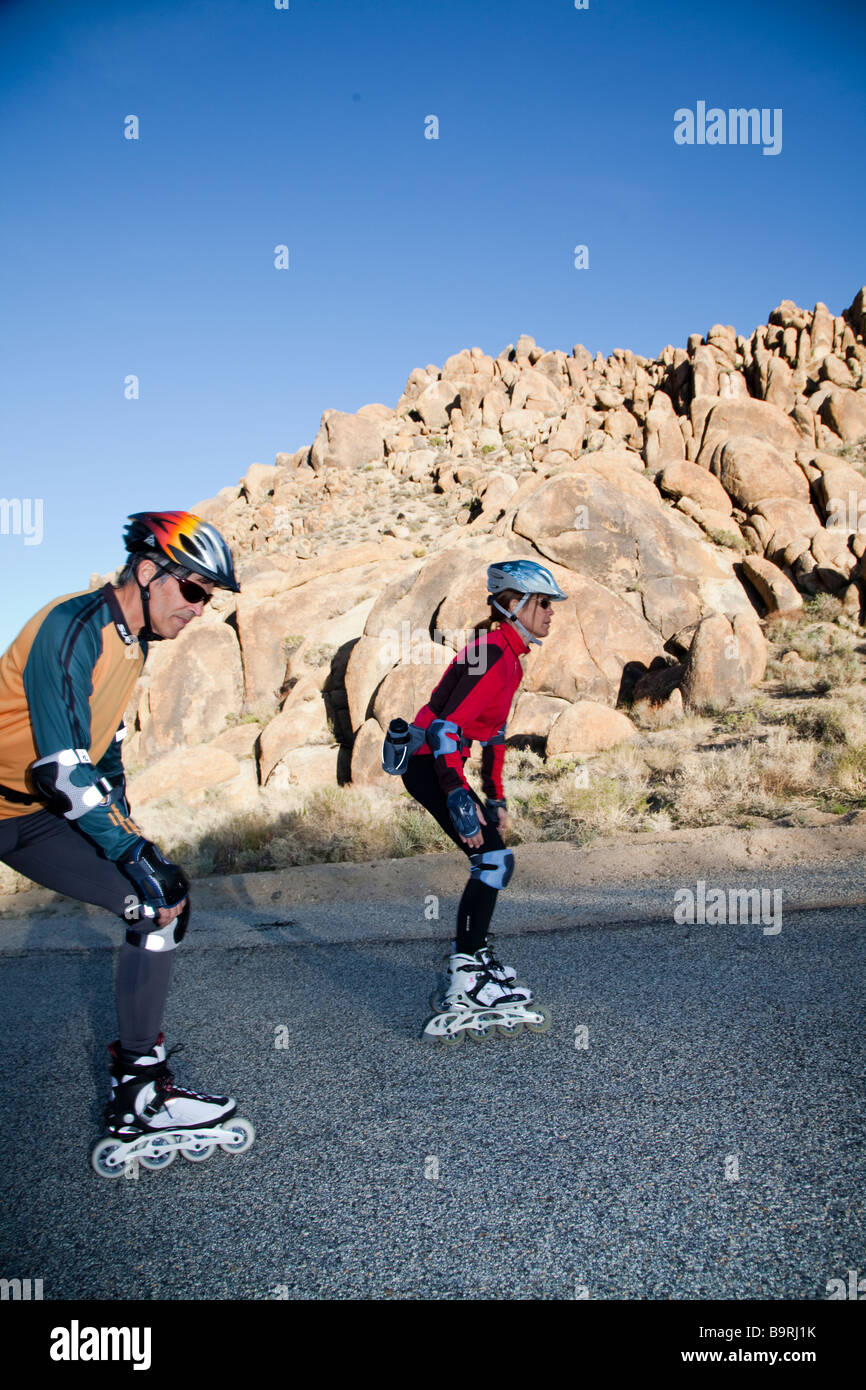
170 610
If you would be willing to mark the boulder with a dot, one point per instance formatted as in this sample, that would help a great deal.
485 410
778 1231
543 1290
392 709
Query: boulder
496 494
367 759
588 728
715 675
370 661
664 442
845 413
195 683
306 768
774 587
835 561
408 686
670 603
185 773
346 441
682 479
749 419
621 535
594 635
534 714
302 722
535 391
779 389
259 480
790 525
752 645
752 469
271 630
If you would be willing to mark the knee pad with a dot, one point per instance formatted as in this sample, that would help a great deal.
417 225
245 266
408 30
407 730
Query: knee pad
493 867
161 938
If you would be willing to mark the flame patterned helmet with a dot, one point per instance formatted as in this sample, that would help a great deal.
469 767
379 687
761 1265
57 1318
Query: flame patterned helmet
184 540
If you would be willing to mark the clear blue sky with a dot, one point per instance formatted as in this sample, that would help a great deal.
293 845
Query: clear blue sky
305 126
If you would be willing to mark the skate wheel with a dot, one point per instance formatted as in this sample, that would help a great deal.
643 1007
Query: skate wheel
446 1039
244 1133
107 1159
162 1158
200 1150
509 1030
541 1027
483 1033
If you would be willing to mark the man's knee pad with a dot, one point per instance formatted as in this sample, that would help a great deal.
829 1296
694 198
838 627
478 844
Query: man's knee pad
493 867
161 938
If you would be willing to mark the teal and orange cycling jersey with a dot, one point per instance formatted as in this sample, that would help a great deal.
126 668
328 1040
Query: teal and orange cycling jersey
65 682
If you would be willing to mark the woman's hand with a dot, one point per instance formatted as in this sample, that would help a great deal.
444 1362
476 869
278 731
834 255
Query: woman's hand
476 841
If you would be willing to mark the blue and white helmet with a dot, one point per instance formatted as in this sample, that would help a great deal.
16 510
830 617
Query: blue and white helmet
527 578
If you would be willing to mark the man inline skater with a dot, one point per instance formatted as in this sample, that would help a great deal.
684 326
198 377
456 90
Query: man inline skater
65 821
472 701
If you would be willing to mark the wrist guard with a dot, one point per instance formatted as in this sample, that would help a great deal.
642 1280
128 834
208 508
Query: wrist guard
493 809
461 809
157 882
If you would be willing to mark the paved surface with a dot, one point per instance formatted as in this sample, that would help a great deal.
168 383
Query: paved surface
560 1167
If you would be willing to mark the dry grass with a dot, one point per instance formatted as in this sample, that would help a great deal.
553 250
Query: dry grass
334 825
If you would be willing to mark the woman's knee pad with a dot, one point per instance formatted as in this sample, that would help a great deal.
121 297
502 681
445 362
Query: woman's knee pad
493 867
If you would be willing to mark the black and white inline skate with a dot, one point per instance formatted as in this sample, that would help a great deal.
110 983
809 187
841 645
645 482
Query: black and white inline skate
150 1119
478 1004
504 975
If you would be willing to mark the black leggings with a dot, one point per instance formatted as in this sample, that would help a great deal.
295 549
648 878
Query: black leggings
49 850
479 899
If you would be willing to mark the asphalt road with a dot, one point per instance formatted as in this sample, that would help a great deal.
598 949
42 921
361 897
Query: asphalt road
705 1142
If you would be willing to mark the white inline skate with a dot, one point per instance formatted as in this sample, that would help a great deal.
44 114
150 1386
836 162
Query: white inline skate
150 1119
504 975
477 1004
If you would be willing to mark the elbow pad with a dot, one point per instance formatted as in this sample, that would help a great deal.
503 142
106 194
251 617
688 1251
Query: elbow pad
444 737
461 809
157 882
65 782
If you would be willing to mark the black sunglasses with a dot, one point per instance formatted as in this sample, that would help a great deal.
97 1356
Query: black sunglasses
193 593
542 602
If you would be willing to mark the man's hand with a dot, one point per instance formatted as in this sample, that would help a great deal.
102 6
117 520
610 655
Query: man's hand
168 914
160 885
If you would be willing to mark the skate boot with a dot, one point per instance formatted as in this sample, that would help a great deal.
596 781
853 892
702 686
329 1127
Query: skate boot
481 1006
150 1119
504 975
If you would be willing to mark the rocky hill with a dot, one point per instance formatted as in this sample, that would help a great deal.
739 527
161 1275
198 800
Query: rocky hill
676 500
679 501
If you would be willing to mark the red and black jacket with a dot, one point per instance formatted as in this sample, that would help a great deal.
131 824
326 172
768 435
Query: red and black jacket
475 693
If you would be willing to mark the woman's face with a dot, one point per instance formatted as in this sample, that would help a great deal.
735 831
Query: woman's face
535 619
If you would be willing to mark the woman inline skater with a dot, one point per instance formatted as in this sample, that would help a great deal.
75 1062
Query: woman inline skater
472 701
